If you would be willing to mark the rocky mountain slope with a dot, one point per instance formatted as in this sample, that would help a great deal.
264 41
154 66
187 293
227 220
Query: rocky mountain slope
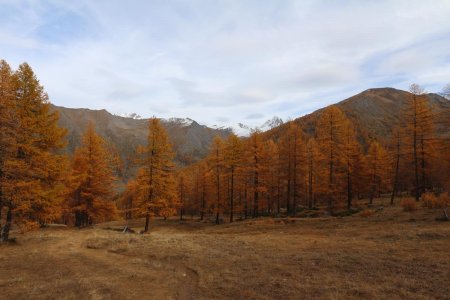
190 139
376 112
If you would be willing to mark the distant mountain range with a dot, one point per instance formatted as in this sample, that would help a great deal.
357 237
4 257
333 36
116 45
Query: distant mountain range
190 139
375 113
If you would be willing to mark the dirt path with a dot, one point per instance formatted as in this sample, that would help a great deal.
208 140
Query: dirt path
86 264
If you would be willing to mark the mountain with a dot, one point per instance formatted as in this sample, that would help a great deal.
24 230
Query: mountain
375 113
190 139
245 130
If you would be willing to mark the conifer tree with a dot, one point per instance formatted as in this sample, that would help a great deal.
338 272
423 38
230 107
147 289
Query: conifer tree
377 159
330 137
271 168
128 199
397 145
419 125
8 143
35 187
313 170
156 176
92 181
201 187
290 148
182 193
233 158
255 165
216 170
351 152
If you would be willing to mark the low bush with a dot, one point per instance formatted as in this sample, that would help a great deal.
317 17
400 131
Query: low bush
431 201
367 213
408 204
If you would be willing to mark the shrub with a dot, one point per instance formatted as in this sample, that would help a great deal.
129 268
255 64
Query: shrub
429 200
444 200
408 205
367 213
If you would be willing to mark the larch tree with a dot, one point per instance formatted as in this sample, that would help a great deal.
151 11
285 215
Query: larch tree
93 180
156 178
351 151
419 122
128 199
271 180
233 161
8 144
182 193
330 137
201 187
255 168
216 166
377 159
35 186
396 154
313 159
292 160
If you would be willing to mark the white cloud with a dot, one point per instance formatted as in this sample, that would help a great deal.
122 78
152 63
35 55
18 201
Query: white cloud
223 61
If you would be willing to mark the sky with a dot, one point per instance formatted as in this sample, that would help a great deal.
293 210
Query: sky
224 62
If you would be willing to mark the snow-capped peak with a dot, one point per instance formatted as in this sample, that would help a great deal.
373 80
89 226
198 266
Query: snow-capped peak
185 122
245 130
130 115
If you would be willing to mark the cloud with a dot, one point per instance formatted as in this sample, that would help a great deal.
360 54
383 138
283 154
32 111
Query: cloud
225 61
254 116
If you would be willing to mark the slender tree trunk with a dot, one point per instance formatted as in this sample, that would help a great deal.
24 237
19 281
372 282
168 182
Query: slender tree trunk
397 164
245 202
349 187
147 220
202 209
255 195
294 188
310 183
217 187
416 162
232 195
331 171
422 166
4 235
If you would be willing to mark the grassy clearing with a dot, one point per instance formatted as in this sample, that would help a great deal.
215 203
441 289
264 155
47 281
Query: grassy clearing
386 254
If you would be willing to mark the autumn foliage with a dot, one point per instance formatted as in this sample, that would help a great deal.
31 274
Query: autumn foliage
299 167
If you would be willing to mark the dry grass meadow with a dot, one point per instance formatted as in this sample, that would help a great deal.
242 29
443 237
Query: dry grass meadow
390 254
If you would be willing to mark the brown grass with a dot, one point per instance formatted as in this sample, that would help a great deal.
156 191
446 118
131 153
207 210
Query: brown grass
387 256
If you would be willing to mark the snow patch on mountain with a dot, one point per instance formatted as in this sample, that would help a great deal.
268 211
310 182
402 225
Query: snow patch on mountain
184 122
134 116
245 130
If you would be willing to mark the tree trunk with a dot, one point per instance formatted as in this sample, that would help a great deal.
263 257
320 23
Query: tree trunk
232 195
147 221
4 235
416 162
397 163
245 201
349 189
255 196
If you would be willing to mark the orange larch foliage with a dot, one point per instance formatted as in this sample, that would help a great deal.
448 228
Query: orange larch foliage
92 181
155 178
